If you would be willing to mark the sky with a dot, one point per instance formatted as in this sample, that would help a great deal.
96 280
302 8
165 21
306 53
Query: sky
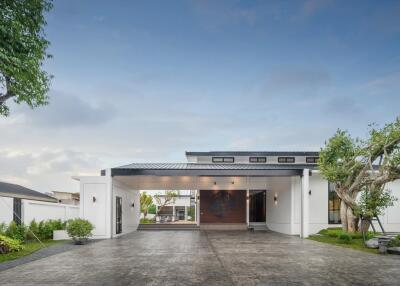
145 81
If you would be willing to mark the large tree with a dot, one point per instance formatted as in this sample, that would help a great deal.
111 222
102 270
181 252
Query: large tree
355 165
23 49
146 201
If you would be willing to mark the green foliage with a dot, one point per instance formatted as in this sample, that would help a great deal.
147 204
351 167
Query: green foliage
33 230
46 228
191 213
152 209
374 203
336 232
344 237
16 231
22 52
395 242
146 221
3 228
79 228
8 245
145 202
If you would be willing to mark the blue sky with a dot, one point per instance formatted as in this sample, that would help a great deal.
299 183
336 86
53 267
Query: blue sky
148 80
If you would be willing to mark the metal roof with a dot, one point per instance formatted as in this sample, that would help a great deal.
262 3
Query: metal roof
20 192
253 153
199 169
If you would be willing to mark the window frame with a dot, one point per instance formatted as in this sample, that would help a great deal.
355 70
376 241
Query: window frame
331 190
312 159
258 159
285 159
223 159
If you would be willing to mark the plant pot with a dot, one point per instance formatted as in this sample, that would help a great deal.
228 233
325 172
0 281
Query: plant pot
80 240
60 235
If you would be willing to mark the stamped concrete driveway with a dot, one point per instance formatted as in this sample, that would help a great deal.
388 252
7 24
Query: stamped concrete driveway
207 258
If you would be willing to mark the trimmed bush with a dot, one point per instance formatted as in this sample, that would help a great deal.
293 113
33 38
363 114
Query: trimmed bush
345 237
79 228
16 231
395 242
8 244
46 228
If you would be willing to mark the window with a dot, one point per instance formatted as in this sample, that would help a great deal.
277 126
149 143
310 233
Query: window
312 160
286 160
333 205
223 159
258 159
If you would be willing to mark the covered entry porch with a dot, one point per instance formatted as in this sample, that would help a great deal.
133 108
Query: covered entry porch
225 195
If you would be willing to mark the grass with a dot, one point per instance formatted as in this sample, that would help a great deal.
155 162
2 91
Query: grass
146 221
29 248
357 244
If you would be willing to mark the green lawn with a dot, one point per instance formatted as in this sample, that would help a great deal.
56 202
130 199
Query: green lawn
357 244
29 247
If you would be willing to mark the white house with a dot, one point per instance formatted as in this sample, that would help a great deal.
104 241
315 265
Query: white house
23 205
282 190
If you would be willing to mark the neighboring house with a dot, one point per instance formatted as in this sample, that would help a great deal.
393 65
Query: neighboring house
179 207
23 205
281 190
65 197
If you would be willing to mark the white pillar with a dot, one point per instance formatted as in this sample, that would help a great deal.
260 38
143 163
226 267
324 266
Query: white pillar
173 211
198 207
247 207
305 197
186 213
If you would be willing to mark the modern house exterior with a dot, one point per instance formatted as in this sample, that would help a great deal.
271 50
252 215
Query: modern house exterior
22 205
234 190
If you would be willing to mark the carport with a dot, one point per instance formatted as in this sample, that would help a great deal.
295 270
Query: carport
223 200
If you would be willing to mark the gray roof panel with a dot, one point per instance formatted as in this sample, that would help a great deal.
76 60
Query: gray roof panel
198 169
20 192
253 153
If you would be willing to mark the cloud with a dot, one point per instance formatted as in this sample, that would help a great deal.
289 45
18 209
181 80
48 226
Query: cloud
65 110
46 169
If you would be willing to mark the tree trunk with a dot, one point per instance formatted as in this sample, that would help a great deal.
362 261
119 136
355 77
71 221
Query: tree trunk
365 225
349 220
343 215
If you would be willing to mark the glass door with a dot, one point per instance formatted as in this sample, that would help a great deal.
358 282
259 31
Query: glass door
257 205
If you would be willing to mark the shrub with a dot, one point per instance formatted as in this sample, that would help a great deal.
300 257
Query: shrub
8 244
46 228
345 237
16 231
79 228
33 230
3 228
395 242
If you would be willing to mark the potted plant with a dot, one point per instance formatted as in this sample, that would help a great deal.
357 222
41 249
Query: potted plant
80 230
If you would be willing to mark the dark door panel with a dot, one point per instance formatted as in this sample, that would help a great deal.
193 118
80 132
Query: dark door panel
118 216
222 206
257 206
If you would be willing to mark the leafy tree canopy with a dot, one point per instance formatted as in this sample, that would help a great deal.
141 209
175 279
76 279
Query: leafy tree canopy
23 49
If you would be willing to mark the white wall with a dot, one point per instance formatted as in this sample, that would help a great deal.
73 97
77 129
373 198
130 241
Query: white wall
130 215
278 216
35 210
98 212
318 203
6 210
391 218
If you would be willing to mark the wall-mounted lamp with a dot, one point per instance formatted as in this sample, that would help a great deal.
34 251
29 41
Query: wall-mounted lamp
94 199
215 183
133 205
233 182
309 192
247 197
276 199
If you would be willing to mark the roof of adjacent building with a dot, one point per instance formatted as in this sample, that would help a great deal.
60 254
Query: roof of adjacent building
253 153
20 192
212 169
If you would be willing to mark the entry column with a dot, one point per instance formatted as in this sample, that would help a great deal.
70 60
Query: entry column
305 197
